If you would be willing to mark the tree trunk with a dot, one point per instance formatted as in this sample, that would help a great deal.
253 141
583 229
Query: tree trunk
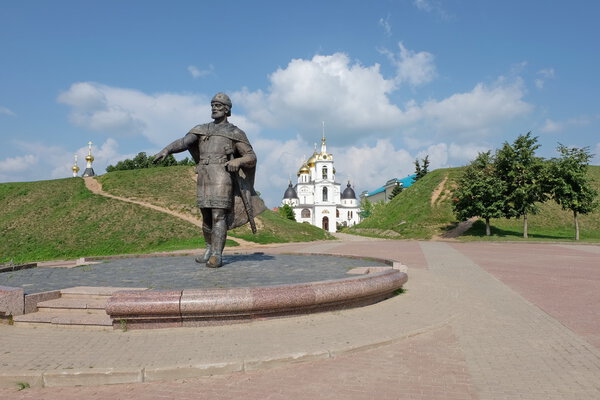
525 226
576 225
487 227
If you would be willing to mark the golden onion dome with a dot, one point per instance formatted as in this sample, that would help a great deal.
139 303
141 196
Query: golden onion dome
304 170
75 168
312 160
89 158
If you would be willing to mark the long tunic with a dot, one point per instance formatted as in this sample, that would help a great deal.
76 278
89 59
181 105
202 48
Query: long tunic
216 144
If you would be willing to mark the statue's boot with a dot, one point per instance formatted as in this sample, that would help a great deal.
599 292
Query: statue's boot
207 233
203 259
215 261
219 234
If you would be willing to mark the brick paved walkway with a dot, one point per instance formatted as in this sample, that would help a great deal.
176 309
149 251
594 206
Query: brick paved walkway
477 321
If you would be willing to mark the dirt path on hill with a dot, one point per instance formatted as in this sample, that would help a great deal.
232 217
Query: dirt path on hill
462 227
96 187
438 190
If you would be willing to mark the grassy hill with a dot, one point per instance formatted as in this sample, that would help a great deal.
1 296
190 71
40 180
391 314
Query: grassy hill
62 219
175 188
413 215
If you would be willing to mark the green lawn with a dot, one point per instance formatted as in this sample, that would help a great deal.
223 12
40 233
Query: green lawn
61 219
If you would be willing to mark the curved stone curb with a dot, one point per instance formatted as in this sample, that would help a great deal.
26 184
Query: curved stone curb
200 307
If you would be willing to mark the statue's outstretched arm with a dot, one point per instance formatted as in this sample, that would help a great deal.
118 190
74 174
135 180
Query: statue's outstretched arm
177 146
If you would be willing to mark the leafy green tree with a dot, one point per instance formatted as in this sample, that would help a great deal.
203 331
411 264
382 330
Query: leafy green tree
569 184
396 191
480 192
141 160
187 162
421 169
366 208
523 175
286 211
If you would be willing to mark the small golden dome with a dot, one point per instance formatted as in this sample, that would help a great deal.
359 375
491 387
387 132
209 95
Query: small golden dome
312 160
304 170
75 168
89 158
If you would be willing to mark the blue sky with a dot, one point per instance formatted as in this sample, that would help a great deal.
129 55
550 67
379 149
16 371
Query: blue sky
393 80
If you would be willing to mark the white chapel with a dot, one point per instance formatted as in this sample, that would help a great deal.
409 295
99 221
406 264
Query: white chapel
316 198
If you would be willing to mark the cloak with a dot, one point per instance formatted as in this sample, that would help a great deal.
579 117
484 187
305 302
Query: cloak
243 180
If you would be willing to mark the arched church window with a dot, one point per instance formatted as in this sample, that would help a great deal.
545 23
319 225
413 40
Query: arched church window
337 213
324 194
305 213
324 172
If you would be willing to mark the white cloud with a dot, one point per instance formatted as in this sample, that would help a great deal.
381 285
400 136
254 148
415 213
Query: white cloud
369 166
551 126
411 67
17 164
385 24
473 112
432 6
119 111
45 161
198 73
545 74
330 88
6 111
354 100
443 155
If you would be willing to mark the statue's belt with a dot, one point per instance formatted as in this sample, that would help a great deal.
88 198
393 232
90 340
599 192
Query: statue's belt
216 159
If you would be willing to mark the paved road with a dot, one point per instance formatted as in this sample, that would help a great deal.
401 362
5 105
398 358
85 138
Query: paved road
478 321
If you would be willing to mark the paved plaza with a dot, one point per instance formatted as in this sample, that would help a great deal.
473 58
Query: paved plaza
477 321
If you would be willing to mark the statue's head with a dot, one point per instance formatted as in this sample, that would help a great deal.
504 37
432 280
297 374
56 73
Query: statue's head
220 106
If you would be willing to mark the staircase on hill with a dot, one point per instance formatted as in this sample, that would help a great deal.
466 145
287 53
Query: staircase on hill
82 306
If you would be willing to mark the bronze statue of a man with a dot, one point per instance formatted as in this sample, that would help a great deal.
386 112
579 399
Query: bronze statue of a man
225 163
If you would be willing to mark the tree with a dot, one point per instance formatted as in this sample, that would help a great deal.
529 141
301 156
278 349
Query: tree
396 191
286 211
366 208
141 160
480 192
568 182
421 170
522 173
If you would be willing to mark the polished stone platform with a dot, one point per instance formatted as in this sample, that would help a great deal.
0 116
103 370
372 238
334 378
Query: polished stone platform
175 291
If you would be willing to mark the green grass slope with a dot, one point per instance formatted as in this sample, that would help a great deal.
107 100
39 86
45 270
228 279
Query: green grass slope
411 214
175 188
62 219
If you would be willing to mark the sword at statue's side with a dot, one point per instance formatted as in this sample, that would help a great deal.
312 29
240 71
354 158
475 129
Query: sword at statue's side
247 207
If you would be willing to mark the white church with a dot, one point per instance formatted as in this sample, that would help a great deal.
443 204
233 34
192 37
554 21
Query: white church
317 199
